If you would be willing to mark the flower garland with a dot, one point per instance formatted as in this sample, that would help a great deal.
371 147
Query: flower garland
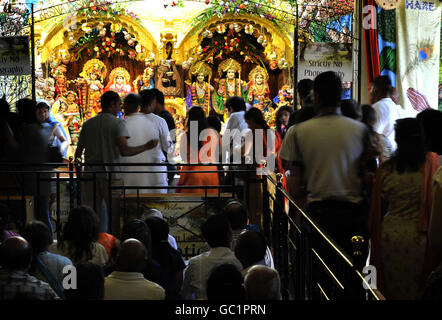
107 41
195 98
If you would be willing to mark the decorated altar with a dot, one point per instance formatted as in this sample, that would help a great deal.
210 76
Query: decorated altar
195 52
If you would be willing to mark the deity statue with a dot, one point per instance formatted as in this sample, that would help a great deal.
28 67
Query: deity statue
200 92
60 84
169 80
119 81
144 81
259 92
68 113
284 97
230 85
90 86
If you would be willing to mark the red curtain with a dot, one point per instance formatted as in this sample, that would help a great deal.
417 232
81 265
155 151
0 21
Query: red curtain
371 44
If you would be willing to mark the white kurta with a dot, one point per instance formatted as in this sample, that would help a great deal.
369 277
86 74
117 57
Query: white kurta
143 128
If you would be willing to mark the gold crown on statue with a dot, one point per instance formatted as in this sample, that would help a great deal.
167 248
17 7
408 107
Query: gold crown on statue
258 71
200 67
94 66
119 72
228 65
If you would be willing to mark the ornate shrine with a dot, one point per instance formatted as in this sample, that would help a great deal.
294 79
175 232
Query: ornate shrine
195 52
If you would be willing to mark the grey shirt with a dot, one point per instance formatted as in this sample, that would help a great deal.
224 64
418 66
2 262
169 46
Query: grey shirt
99 137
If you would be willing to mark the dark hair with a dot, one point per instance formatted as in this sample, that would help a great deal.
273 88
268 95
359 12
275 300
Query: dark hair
197 114
225 283
159 96
237 214
38 235
214 123
349 108
278 123
4 107
216 230
81 231
303 114
132 98
138 229
256 115
236 103
161 249
250 247
43 104
368 115
410 153
431 121
27 110
328 89
305 87
383 85
90 283
108 98
147 97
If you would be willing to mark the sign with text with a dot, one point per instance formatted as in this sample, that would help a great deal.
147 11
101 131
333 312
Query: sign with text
316 58
14 56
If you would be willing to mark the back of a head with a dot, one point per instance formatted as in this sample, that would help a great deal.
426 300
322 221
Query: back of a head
81 231
131 102
431 121
216 230
38 235
305 87
137 229
256 115
250 248
159 96
262 283
349 108
15 254
225 283
147 99
411 152
90 283
304 114
383 86
158 228
236 103
214 123
327 88
27 110
132 256
108 98
4 108
237 214
368 115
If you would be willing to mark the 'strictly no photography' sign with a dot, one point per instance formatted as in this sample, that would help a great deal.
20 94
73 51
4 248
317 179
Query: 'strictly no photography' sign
14 56
319 57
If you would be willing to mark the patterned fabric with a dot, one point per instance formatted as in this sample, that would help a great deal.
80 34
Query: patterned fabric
400 241
20 285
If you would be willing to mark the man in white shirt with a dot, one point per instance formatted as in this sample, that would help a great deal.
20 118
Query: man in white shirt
218 234
386 109
145 125
250 250
128 283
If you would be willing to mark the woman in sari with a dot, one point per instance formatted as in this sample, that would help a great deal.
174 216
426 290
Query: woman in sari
206 150
400 247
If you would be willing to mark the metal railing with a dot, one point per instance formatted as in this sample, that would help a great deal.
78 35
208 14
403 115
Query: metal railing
306 272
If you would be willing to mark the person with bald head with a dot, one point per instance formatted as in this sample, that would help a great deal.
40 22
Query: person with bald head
262 283
128 282
15 282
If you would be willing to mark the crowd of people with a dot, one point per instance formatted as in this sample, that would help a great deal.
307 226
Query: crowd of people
356 170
